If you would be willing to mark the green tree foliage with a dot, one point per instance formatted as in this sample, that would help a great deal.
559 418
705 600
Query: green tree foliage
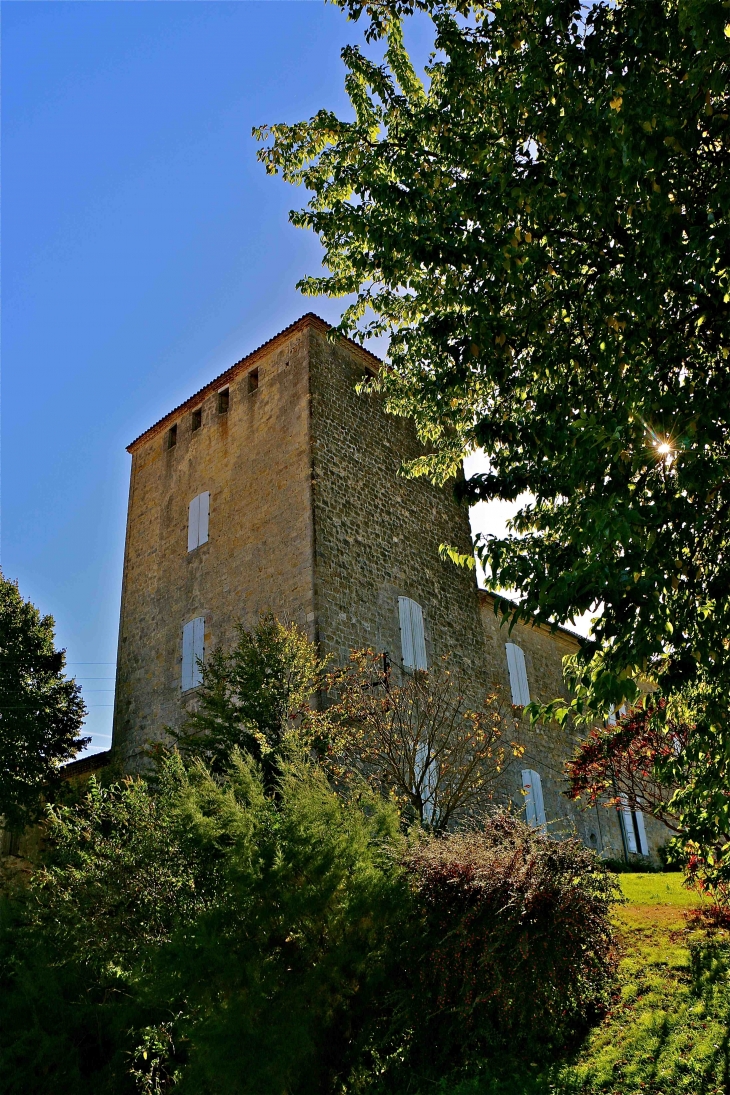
544 234
252 696
41 712
199 934
542 229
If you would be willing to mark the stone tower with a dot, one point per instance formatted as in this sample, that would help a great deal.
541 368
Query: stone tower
276 488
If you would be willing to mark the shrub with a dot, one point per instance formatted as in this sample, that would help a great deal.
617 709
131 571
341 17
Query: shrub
198 935
512 942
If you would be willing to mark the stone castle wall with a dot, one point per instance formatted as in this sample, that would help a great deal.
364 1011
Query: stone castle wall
311 519
255 462
377 534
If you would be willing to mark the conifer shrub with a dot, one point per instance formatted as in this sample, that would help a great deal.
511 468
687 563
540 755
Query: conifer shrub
511 944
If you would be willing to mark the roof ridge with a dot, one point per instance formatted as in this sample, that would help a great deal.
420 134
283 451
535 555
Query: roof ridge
542 624
304 320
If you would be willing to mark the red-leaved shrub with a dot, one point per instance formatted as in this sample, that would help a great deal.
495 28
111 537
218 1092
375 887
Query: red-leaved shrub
512 941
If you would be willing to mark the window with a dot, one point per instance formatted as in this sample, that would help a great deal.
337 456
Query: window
426 773
198 511
193 650
517 675
223 400
632 823
172 437
534 806
611 719
253 380
412 638
196 419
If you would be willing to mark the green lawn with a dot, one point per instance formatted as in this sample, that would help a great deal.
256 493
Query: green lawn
667 1032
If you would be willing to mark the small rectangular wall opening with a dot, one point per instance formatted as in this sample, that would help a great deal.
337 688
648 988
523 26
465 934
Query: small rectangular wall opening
171 437
253 380
223 401
196 419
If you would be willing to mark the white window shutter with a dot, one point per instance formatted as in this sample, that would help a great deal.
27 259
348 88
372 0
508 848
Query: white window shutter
530 812
517 675
429 780
539 803
204 502
187 656
198 649
193 649
643 842
628 823
412 634
406 632
418 636
193 523
534 805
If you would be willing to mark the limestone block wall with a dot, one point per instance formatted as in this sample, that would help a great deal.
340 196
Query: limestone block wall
377 534
254 459
548 747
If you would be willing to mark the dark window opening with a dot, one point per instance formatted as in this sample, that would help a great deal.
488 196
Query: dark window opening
223 400
197 419
172 437
253 380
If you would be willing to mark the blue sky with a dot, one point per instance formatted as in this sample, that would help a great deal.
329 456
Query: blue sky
144 250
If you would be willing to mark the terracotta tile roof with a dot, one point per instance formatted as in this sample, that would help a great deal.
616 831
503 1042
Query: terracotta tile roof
308 320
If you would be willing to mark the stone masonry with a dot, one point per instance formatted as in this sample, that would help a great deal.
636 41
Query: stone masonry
311 519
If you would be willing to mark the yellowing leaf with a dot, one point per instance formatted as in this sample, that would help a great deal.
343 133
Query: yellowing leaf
615 104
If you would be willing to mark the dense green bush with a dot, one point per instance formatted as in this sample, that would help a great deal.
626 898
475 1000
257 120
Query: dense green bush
512 942
201 935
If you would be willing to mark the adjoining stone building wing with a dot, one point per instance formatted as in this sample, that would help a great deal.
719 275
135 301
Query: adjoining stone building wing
526 664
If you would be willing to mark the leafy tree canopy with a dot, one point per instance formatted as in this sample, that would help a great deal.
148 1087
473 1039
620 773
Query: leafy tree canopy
541 226
41 711
251 696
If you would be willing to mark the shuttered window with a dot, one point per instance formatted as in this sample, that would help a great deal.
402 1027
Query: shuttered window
412 636
534 806
517 675
426 773
611 720
632 822
198 512
193 651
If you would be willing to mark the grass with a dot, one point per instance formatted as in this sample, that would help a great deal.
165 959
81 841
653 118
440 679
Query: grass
667 1031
